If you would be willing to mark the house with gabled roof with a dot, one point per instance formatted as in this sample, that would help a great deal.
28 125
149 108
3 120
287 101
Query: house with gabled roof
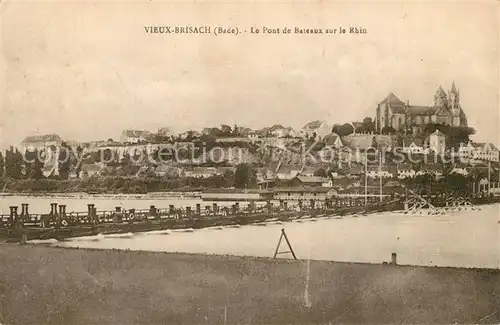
333 140
413 146
287 172
485 151
316 129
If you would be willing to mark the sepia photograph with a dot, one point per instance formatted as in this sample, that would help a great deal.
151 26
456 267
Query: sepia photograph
256 162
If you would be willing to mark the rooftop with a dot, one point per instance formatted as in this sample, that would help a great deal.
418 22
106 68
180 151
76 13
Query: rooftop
42 138
303 189
312 179
392 100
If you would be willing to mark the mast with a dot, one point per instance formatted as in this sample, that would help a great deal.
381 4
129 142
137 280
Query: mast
489 177
366 180
380 174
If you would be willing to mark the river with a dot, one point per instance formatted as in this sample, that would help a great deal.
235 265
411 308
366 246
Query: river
459 239
78 202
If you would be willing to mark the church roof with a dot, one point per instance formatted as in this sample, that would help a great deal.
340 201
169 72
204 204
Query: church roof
392 100
423 110
453 88
440 92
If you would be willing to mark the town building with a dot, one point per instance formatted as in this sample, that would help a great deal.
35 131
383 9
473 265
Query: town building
445 109
165 132
287 172
379 171
253 136
413 146
135 136
207 172
317 130
466 151
168 171
431 169
333 140
304 194
89 170
313 181
405 171
201 172
236 195
41 142
437 142
485 151
460 169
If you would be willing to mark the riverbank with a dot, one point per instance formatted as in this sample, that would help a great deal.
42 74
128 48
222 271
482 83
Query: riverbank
45 285
118 196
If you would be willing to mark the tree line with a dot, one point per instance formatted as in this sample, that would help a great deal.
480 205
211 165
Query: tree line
31 163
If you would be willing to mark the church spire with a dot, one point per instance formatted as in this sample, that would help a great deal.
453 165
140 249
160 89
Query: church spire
440 92
440 98
453 88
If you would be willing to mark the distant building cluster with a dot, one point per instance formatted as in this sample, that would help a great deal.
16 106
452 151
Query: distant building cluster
396 125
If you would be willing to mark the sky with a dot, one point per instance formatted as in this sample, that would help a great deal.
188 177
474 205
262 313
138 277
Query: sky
88 70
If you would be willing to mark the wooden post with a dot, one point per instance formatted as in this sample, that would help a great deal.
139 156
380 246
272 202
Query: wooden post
394 258
283 235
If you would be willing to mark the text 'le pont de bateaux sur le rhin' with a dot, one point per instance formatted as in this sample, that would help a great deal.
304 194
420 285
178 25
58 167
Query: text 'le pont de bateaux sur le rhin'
264 30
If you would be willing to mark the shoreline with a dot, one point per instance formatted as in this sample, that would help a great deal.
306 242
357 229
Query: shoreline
83 195
262 258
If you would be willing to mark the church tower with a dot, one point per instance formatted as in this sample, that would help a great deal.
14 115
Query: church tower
454 105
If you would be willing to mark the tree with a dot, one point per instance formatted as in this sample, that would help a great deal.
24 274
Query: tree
79 159
244 176
343 130
235 131
457 184
368 125
64 160
13 163
34 165
455 135
320 173
388 130
424 182
226 130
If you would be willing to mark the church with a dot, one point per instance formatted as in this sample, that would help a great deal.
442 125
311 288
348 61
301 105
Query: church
446 109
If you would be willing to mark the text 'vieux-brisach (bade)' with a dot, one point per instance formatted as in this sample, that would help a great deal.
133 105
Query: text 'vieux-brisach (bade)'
264 30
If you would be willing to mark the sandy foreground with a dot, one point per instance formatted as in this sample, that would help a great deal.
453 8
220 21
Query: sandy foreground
47 285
